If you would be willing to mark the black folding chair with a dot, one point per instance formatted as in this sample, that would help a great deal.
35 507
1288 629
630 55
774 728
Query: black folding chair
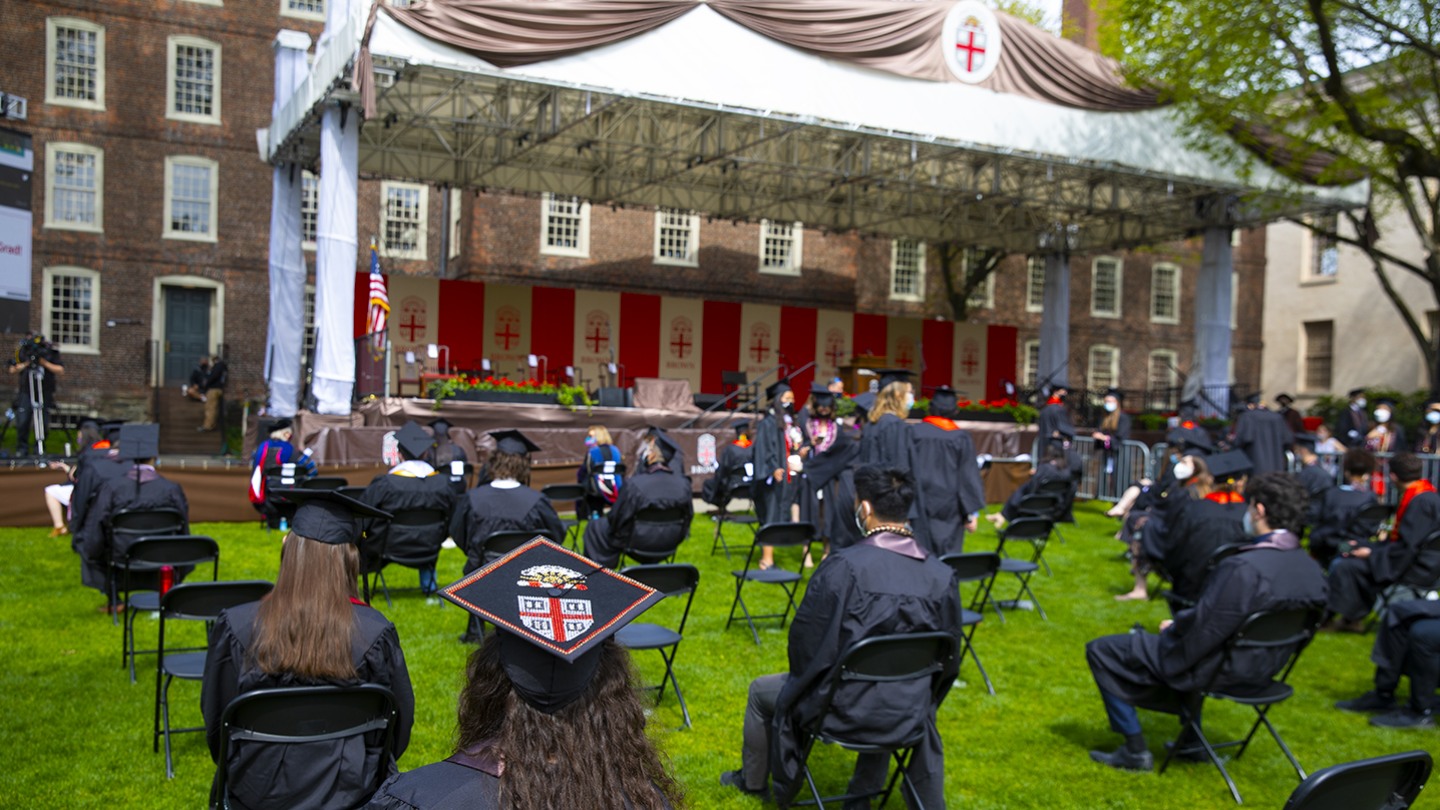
193 601
1175 601
151 555
673 581
1384 783
324 482
723 516
669 527
574 496
889 660
1413 580
299 715
125 528
980 567
1288 631
776 535
426 528
1036 532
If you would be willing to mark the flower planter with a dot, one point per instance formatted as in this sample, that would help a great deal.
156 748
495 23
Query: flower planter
986 416
514 397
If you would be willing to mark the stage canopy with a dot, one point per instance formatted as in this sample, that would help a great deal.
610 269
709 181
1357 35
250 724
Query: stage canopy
933 120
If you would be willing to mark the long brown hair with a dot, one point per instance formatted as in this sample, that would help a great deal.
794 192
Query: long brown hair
514 466
593 753
891 399
305 625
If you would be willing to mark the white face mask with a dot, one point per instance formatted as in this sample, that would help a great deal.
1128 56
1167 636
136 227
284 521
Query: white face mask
910 400
1248 524
1382 415
1184 470
1433 417
1110 407
1360 403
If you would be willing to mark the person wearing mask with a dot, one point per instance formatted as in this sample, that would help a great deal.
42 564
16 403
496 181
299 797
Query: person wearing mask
828 481
602 472
312 629
411 484
1353 425
1110 438
1325 440
547 719
651 487
1053 420
1191 480
1292 417
1337 523
1385 435
1192 529
954 495
1428 443
780 450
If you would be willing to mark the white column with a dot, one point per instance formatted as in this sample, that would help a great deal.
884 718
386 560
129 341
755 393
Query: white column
286 334
1055 323
1212 322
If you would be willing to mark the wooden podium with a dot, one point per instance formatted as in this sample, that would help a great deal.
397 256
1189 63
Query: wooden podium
855 382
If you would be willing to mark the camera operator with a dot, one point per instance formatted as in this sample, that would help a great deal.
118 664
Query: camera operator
37 362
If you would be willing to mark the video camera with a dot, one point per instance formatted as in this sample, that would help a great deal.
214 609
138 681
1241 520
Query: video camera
32 350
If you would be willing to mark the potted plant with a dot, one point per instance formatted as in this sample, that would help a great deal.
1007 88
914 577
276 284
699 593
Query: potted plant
492 389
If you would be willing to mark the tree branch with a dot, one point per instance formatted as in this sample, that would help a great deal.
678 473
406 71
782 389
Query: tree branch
1373 252
1408 38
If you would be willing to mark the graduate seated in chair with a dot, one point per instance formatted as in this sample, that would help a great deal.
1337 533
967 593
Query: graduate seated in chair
1054 467
1408 644
411 484
736 468
1337 524
652 486
886 583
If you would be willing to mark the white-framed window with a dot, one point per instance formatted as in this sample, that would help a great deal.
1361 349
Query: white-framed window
404 220
309 338
70 308
1104 370
192 81
677 237
1163 383
192 187
309 209
1030 371
1321 253
983 296
304 9
781 247
1319 355
1165 293
564 226
1035 284
907 270
455 223
74 63
74 187
1105 286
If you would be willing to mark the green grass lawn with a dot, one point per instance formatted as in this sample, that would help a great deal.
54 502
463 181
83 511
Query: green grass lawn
77 734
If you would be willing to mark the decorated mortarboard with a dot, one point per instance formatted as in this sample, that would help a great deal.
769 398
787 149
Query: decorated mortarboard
139 441
893 375
1229 465
1306 440
553 608
667 445
775 389
513 442
413 440
327 515
1355 392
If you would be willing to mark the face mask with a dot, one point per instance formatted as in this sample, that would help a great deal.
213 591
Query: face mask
860 518
1382 416
909 400
1433 417
1184 470
1360 403
1062 397
1110 407
1248 524
788 407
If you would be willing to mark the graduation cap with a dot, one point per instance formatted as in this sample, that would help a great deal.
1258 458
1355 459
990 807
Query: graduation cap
280 424
1386 401
864 401
1253 399
1306 440
413 440
667 445
513 442
1285 400
893 375
1355 392
1116 393
139 442
327 515
823 393
775 389
553 609
110 429
1229 465
440 426
740 426
944 398
1194 440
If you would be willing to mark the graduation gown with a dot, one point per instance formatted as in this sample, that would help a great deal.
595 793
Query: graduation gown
1391 559
1053 418
855 593
1148 669
950 478
488 509
655 488
889 443
731 472
95 467
829 500
1351 427
1191 530
1044 474
1263 436
1317 481
393 491
460 782
325 774
1338 520
441 455
115 494
772 450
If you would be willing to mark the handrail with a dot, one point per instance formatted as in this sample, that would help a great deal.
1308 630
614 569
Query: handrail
748 386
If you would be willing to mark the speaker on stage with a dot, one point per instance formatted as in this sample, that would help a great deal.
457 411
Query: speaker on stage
614 397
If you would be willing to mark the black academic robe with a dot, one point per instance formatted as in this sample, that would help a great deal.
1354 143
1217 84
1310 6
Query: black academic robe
950 478
829 500
856 593
1263 436
1396 444
1317 481
115 494
1044 474
889 443
443 453
655 488
94 468
1053 419
773 446
1428 442
1148 669
325 774
460 782
1391 559
1351 427
488 509
735 468
390 492
1183 540
1338 521
1293 419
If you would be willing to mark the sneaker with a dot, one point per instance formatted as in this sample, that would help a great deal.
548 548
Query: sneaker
1405 718
1124 759
736 780
1371 702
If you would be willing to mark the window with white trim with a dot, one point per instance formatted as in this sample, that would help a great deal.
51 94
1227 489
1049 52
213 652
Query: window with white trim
191 189
74 187
403 220
677 237
1319 355
304 9
74 63
1165 293
1104 371
1030 373
1035 284
564 226
309 209
1324 249
71 308
907 270
983 296
1105 282
1163 382
192 83
780 247
455 228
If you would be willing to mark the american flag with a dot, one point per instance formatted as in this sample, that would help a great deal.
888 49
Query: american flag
379 301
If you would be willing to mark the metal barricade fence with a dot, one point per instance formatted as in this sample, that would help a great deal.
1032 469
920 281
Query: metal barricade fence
1388 493
1105 476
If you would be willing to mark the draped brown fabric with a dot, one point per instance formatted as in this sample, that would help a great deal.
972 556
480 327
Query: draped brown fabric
1042 66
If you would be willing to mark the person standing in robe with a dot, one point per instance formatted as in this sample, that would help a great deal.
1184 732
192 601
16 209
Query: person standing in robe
1428 443
779 452
653 486
829 482
949 476
1353 425
1110 438
411 484
1262 435
886 439
1386 435
1053 420
1293 419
